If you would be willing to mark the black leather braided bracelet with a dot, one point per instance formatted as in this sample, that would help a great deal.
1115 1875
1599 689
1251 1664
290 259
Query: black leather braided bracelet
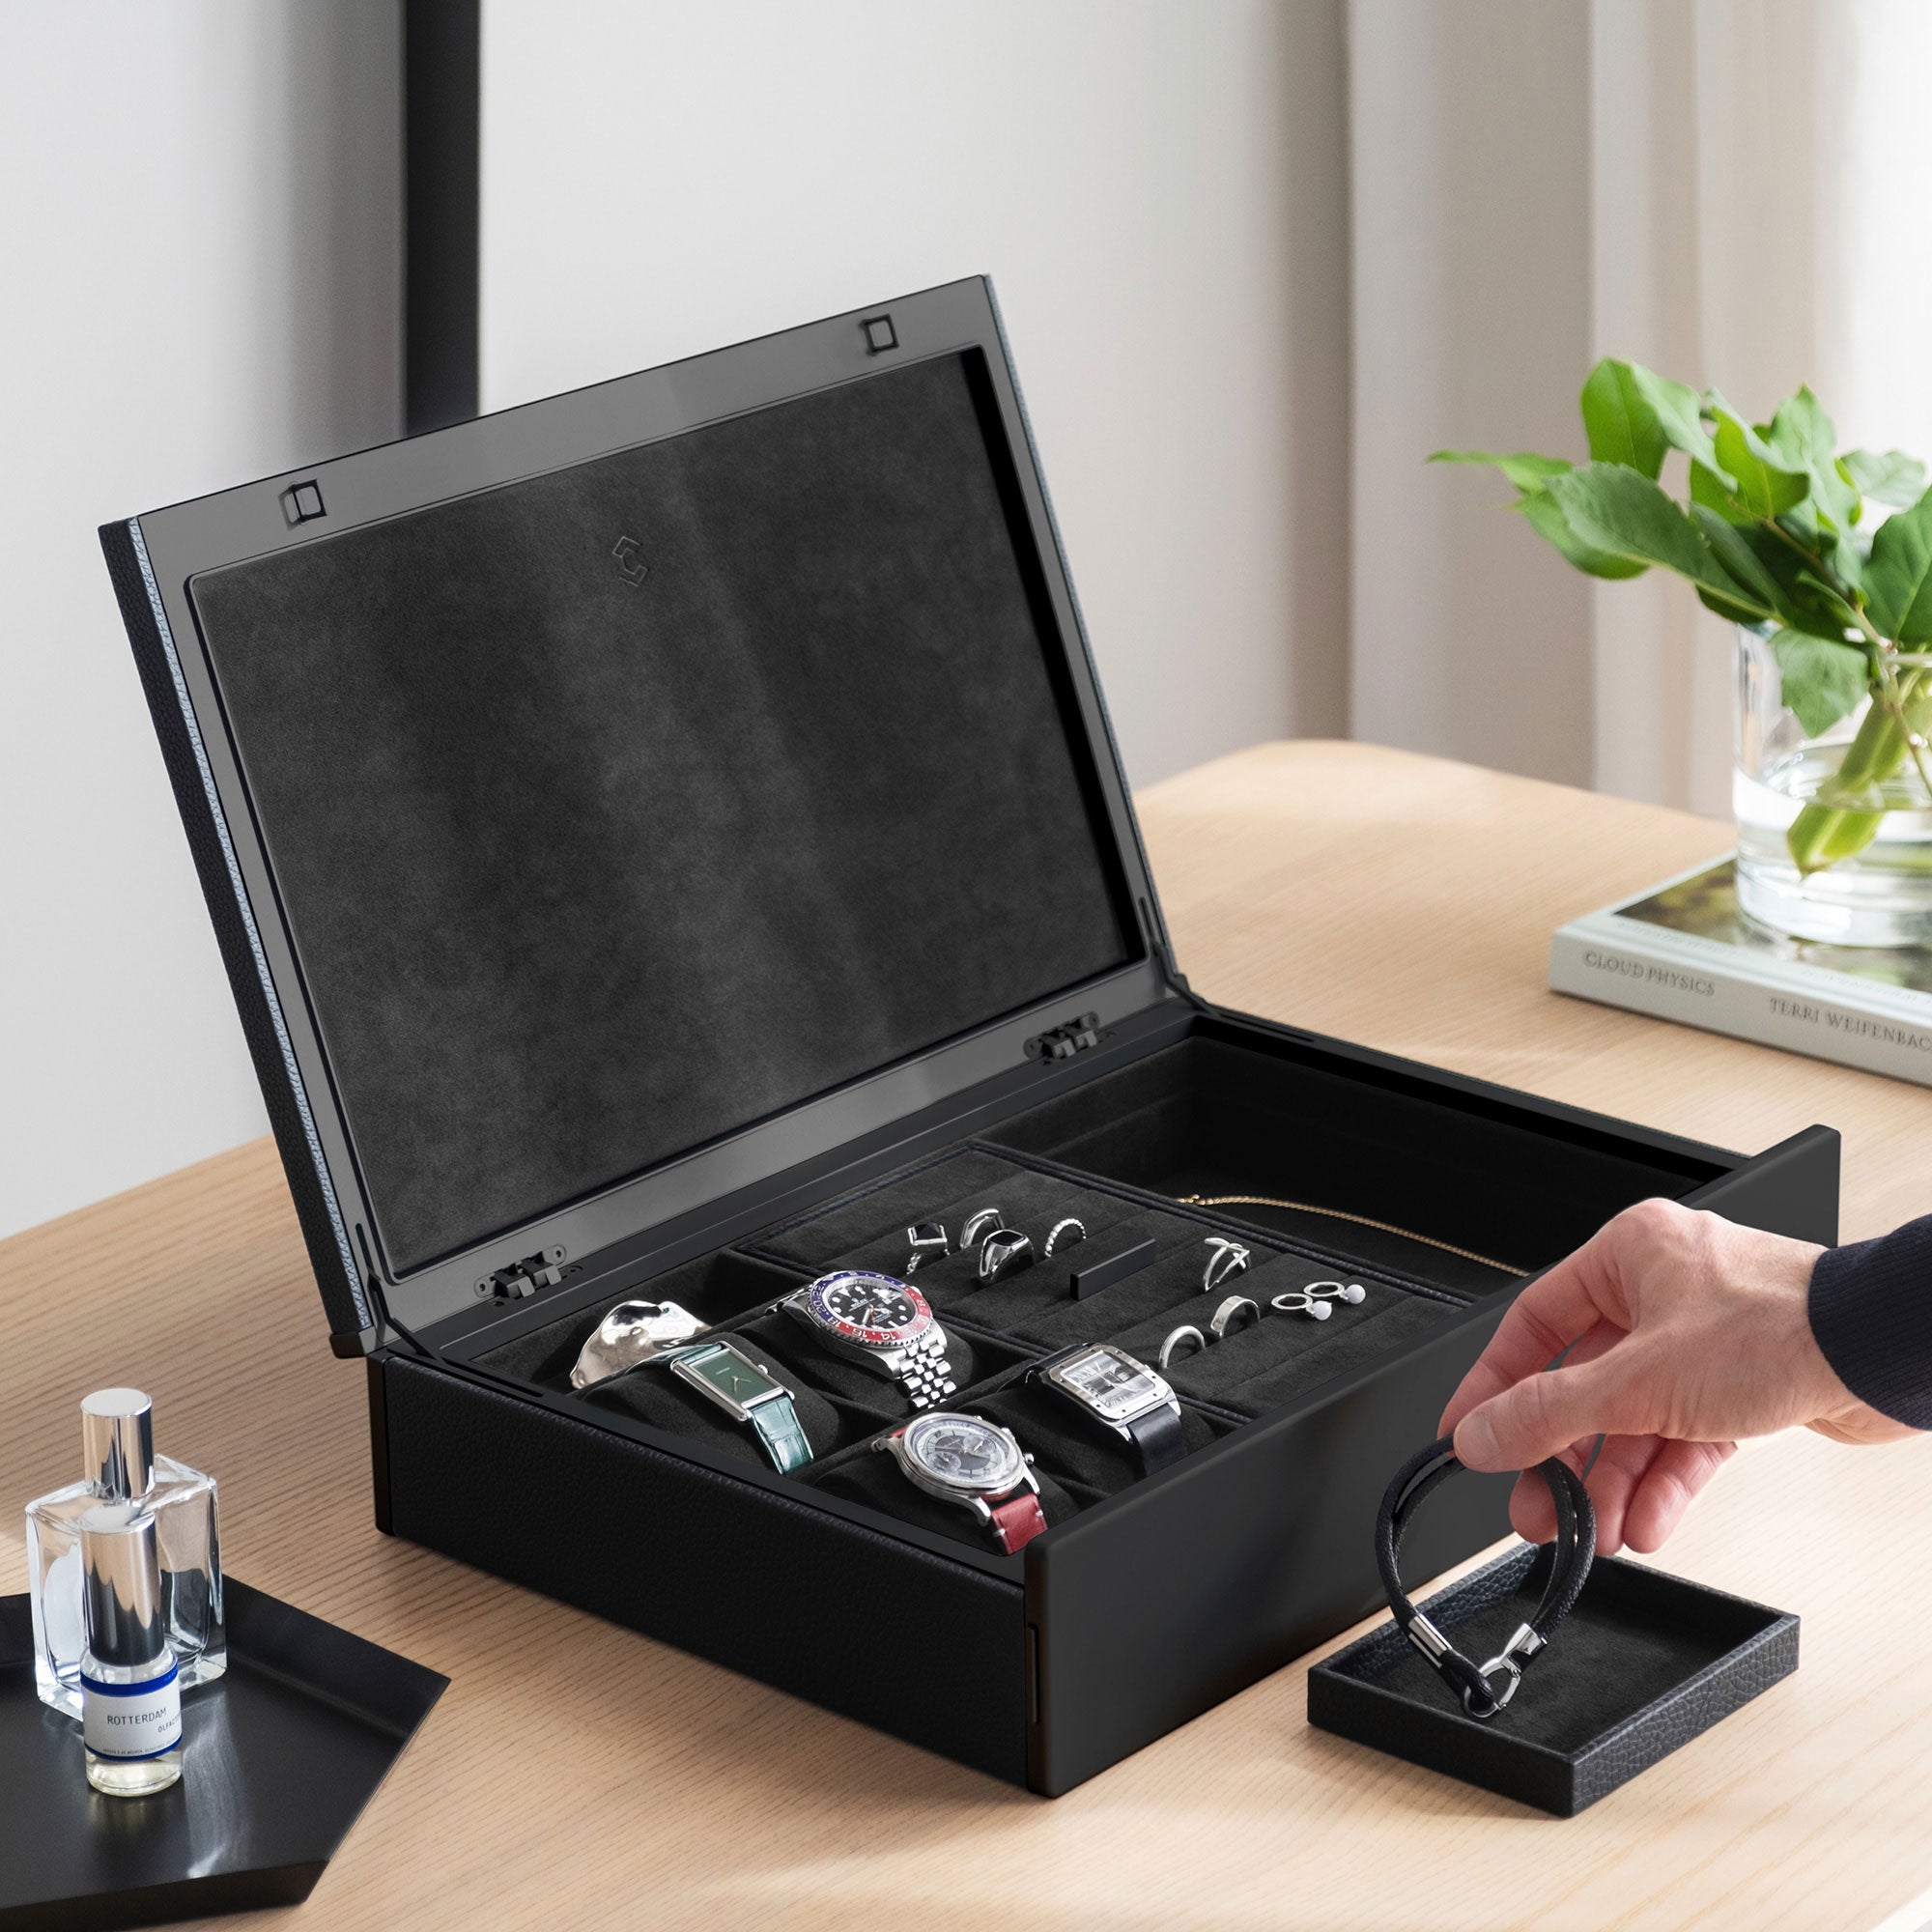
1570 1565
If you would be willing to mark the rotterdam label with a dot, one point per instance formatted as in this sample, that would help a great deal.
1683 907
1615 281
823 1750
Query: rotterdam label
132 1719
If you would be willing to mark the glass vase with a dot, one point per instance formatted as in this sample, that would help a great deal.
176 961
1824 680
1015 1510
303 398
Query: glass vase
1858 798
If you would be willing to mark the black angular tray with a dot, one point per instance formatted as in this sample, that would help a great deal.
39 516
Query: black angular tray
1643 1664
282 1754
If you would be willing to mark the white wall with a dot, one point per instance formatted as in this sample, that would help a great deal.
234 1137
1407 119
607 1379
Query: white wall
199 231
1156 187
1470 150
199 236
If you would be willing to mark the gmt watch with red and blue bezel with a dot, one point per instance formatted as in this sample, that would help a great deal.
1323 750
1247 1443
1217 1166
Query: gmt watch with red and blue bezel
884 1325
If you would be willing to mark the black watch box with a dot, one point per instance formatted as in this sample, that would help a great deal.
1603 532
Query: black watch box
666 841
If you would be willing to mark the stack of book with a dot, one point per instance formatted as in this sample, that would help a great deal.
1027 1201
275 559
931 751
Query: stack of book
1684 952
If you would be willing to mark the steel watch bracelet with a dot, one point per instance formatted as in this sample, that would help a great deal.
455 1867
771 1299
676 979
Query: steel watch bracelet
924 1373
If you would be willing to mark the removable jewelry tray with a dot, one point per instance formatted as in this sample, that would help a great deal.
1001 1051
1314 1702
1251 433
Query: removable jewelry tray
1645 1662
281 1754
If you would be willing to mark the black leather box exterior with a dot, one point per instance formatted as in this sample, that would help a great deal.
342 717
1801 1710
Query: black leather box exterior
1099 1638
522 648
1655 1662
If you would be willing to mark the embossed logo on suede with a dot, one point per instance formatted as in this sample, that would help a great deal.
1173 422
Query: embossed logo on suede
631 566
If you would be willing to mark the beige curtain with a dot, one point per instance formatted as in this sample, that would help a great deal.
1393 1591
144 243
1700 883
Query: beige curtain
1727 189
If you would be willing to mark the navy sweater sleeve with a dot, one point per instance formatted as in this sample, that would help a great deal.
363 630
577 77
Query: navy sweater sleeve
1871 1311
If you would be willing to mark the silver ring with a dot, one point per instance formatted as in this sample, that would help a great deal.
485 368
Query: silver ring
928 1243
1228 1260
1227 1315
1186 1332
1078 1233
1005 1251
981 1224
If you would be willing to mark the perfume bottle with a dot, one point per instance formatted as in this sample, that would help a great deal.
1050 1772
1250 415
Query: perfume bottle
117 1431
129 1686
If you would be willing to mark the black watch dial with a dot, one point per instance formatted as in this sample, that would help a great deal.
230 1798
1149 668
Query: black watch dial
868 1301
877 1310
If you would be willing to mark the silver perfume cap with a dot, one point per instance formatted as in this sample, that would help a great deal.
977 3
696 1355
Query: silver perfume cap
117 1438
121 1584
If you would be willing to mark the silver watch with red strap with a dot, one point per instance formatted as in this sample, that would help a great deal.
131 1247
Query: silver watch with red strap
975 1464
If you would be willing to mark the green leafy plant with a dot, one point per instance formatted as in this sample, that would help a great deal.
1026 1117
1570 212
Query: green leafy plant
1772 533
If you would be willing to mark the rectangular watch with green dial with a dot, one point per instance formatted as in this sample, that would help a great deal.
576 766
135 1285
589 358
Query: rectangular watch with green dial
747 1393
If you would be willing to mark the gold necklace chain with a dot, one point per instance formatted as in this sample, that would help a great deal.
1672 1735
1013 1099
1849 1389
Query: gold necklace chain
1360 1220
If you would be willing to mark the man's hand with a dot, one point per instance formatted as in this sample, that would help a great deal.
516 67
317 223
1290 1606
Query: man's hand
1684 1332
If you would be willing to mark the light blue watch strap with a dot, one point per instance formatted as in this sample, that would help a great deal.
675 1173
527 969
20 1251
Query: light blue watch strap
768 1407
783 1434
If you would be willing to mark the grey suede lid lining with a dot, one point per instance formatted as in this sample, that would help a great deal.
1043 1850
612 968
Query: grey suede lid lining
586 867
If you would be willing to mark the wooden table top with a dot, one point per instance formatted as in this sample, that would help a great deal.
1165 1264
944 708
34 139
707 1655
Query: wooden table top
575 1774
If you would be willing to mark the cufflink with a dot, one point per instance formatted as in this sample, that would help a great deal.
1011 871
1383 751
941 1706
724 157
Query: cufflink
928 1242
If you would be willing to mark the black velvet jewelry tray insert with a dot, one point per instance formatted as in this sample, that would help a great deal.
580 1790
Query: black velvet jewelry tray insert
1643 1664
997 1333
281 1754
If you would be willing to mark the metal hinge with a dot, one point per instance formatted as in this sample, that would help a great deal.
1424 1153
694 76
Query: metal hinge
524 1277
1064 1041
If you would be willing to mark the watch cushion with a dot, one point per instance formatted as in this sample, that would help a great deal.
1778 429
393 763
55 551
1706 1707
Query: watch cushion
786 1340
717 1287
874 1476
654 1394
1084 1458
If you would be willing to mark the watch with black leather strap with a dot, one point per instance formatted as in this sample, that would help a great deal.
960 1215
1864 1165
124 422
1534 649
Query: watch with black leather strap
1122 1396
975 1464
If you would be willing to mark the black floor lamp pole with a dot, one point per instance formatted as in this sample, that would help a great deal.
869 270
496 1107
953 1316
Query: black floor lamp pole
441 67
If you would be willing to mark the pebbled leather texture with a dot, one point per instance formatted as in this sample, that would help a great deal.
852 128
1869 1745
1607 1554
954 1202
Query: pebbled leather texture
742 1575
1644 1663
1704 1700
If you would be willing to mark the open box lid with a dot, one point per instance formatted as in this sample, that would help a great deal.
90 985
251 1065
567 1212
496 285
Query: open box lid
617 802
